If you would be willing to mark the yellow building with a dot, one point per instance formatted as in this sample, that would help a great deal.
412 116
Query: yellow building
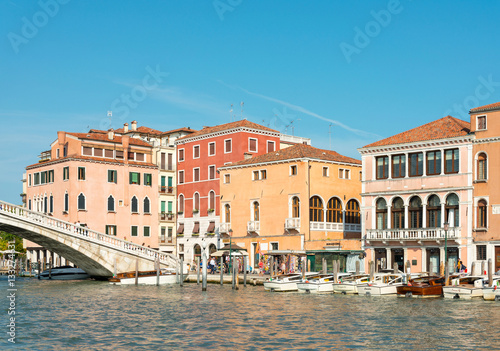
298 198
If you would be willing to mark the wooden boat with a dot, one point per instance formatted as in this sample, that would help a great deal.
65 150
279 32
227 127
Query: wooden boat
492 292
285 282
349 285
64 273
465 287
386 285
429 286
144 278
320 283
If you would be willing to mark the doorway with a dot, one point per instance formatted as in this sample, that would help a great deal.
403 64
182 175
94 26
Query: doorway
398 256
497 258
380 259
433 260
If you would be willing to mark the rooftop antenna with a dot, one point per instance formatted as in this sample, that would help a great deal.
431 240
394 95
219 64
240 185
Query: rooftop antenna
231 112
291 126
110 114
330 135
241 104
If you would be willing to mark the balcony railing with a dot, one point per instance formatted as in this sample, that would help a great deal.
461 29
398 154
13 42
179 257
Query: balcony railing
168 217
253 226
413 234
292 223
166 189
335 227
224 227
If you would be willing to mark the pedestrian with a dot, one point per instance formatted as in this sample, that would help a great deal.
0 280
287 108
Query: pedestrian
261 267
213 268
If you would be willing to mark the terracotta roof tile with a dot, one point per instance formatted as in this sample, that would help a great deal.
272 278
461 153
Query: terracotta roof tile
493 106
227 126
298 151
183 129
90 158
446 127
140 129
104 137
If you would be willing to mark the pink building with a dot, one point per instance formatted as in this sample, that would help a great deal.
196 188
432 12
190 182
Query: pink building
413 183
106 181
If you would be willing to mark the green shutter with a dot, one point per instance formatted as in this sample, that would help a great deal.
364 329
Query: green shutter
170 206
163 180
163 206
169 181
110 179
130 177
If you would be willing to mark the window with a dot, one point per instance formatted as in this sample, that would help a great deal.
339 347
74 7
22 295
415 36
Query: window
119 155
451 161
81 173
65 150
382 167
81 202
416 164
196 202
398 166
271 146
293 170
170 206
211 200
87 151
148 179
146 231
481 122
398 213
211 149
111 230
326 171
112 176
181 155
181 177
66 202
50 176
169 236
36 178
252 145
481 252
344 173
43 177
196 151
181 203
334 211
170 163
433 212
255 175
147 205
433 162
162 234
227 146
415 211
196 229
211 172
227 213
108 153
98 152
482 214
29 179
255 207
139 157
111 203
134 178
263 174
381 214
352 214
227 178
482 166
347 174
196 175
51 204
274 246
134 205
316 209
451 214
57 153
295 207
133 230
341 173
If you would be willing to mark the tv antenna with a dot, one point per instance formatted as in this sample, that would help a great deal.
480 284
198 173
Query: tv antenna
330 135
291 126
241 104
231 113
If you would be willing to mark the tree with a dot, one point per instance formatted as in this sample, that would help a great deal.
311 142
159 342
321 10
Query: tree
5 238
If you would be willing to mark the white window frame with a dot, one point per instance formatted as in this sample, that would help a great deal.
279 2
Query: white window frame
215 150
183 154
485 120
256 145
327 171
228 177
274 145
183 177
258 175
215 172
143 228
199 174
296 170
199 151
230 151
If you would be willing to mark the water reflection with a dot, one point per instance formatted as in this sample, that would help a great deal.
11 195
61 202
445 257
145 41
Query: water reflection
96 315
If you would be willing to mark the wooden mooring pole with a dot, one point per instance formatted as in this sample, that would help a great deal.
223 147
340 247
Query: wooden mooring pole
324 265
198 270
181 273
245 259
136 272
204 273
271 267
490 272
221 270
157 271
50 267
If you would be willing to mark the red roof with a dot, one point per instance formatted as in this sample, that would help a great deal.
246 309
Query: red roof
104 137
91 158
446 127
494 106
297 151
183 129
141 129
238 124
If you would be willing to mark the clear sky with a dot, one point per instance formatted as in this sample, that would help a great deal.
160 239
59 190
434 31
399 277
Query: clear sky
364 70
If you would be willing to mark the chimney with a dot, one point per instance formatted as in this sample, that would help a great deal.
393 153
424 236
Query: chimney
125 144
111 134
134 125
61 138
247 155
125 128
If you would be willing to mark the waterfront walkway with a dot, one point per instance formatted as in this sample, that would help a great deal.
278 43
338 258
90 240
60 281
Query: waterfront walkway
252 279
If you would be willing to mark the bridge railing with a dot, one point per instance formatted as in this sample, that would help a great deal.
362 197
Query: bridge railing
87 234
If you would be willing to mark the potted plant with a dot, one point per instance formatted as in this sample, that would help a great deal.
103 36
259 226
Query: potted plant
210 210
195 210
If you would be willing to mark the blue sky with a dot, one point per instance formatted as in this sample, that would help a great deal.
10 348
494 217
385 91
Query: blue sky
364 70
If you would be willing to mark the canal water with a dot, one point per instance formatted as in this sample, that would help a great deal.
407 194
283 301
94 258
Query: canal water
90 315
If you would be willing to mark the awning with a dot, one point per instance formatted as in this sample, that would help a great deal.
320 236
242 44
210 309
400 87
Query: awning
226 253
211 227
196 229
286 252
180 230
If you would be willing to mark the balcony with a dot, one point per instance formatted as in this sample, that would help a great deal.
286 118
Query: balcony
335 227
167 217
292 223
224 227
166 189
253 226
413 234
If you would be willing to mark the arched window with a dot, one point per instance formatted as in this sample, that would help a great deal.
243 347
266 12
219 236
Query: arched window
111 203
398 213
433 212
381 214
81 201
227 213
197 250
147 205
211 200
482 165
352 213
181 203
135 205
316 209
482 214
51 203
255 207
415 210
66 202
45 204
196 201
295 207
452 214
334 212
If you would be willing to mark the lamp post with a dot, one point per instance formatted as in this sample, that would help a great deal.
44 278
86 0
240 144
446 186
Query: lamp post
446 269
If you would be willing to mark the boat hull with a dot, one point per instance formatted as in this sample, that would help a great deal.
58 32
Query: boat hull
280 286
148 280
66 273
345 288
315 288
417 291
460 292
377 290
491 294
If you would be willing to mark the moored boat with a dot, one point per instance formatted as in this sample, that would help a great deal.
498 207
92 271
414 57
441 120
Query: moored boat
492 292
144 278
320 283
285 282
467 287
385 285
428 286
349 285
64 273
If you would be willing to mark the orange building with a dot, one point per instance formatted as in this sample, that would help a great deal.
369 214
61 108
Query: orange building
297 198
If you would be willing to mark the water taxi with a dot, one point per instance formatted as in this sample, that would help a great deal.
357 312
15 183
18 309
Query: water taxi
492 292
144 278
349 285
320 283
285 282
465 287
428 286
63 273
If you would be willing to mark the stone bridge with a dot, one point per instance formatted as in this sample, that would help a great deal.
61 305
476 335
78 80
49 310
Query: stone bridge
94 252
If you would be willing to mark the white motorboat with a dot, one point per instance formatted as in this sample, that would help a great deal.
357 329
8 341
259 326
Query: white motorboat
349 285
285 282
385 285
320 283
492 292
144 278
467 287
63 273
